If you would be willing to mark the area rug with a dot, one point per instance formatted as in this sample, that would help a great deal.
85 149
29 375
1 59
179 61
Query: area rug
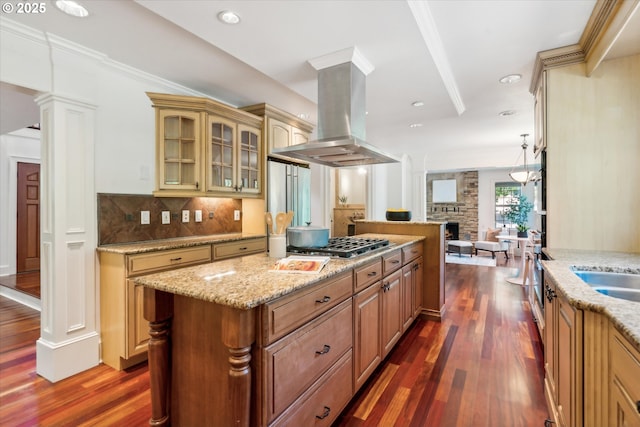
475 260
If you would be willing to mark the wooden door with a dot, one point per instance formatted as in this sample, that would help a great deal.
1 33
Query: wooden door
28 218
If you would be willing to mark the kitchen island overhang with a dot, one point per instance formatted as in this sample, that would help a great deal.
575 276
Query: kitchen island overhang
209 341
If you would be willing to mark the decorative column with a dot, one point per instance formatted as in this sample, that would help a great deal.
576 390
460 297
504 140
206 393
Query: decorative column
69 342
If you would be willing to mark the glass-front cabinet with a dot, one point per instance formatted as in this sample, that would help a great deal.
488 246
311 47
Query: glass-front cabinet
179 150
205 148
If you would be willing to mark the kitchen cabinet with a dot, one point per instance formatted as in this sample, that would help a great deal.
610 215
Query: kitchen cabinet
308 340
206 148
624 383
380 305
280 129
124 332
540 115
563 358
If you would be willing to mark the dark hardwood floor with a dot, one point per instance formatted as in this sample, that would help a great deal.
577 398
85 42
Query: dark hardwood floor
480 366
28 283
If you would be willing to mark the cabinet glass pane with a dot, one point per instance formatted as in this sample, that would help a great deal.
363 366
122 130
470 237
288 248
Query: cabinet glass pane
188 173
188 128
171 173
227 155
253 160
172 127
188 150
171 149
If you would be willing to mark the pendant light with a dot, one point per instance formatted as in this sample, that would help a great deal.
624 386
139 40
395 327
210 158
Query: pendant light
522 176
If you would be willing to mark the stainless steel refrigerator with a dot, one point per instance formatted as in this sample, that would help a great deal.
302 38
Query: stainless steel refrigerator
289 190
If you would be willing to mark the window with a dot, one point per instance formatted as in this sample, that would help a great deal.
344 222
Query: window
506 194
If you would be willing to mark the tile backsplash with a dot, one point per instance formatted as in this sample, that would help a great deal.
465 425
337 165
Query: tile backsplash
119 217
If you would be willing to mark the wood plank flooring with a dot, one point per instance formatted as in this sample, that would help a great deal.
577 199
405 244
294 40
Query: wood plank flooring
28 283
481 366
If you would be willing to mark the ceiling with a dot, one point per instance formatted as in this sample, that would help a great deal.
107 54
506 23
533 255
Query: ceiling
447 54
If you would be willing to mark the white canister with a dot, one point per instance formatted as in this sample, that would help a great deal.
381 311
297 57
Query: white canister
278 246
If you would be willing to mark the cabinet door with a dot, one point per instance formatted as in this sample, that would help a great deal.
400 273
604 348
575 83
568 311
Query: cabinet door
299 136
179 150
550 311
624 396
249 160
367 323
566 372
137 328
391 311
221 149
408 278
279 134
417 286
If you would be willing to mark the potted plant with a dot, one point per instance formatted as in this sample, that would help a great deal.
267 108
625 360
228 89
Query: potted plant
518 213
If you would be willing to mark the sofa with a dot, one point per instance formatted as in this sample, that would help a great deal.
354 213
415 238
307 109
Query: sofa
490 243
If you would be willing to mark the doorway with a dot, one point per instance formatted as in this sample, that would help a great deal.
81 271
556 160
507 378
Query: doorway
28 218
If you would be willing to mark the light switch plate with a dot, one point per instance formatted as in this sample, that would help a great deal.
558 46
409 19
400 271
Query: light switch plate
236 215
185 216
198 215
145 217
166 217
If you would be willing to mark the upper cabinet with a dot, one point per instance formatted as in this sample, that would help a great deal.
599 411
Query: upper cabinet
205 148
540 113
281 129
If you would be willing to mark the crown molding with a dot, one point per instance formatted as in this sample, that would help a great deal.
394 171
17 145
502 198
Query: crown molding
607 20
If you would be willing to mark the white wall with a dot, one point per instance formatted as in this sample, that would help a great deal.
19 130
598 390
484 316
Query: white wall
19 146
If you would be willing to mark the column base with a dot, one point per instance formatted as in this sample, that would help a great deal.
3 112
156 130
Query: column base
57 361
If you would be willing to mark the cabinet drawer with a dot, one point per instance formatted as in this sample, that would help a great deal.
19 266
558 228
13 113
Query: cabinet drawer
239 248
411 252
164 260
284 315
296 362
368 274
625 366
391 262
322 404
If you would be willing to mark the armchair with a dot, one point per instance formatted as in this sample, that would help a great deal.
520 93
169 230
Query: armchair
490 243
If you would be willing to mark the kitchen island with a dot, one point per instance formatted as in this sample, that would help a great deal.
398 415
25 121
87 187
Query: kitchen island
433 299
591 342
234 343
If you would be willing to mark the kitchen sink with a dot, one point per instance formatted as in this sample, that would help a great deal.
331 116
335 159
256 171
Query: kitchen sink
618 285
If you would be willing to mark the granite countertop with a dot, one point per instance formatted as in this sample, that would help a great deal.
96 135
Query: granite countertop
174 243
624 314
247 282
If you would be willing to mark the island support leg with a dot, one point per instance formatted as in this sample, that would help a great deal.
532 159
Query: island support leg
158 310
238 335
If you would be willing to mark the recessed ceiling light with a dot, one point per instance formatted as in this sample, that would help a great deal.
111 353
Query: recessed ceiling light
415 125
229 17
72 8
418 104
511 78
507 113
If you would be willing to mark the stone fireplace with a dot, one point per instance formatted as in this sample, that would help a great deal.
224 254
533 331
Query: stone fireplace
452 231
464 211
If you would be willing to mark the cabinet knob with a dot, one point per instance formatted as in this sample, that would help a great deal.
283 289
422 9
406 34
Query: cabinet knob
324 300
325 414
325 349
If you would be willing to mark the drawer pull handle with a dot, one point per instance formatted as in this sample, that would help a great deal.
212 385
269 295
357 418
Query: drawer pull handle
395 261
325 349
325 414
244 248
175 259
323 300
372 273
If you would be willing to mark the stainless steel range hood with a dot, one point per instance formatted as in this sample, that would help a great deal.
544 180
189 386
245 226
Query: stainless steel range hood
341 122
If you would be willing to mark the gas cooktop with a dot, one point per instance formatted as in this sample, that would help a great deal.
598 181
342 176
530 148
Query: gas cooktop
343 247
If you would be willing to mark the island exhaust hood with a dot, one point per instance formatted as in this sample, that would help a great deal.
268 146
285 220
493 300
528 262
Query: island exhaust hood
341 121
